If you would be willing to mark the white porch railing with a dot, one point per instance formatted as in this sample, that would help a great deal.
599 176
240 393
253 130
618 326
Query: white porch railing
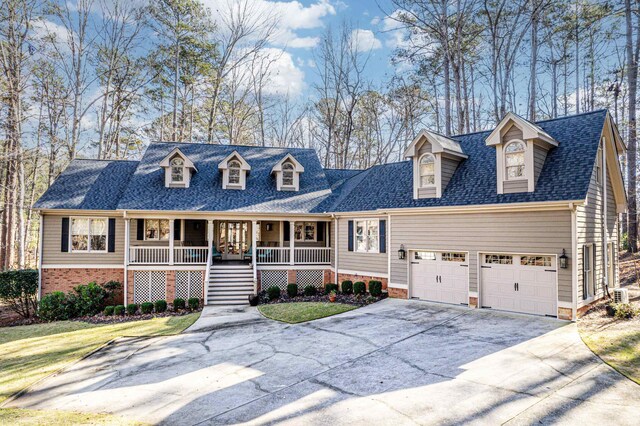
314 255
272 255
160 255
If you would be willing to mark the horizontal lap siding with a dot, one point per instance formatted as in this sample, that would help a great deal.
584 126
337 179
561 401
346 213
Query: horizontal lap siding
512 186
524 232
375 263
51 250
427 192
448 169
539 156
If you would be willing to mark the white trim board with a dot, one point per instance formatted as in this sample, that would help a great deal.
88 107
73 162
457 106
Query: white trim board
364 273
87 266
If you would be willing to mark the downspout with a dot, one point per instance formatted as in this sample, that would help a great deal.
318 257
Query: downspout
126 256
605 205
574 263
335 243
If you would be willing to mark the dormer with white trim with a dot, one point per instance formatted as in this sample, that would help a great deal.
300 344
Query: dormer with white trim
287 173
521 150
234 170
177 169
435 159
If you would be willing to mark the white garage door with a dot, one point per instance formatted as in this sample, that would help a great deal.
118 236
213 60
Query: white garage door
440 276
519 283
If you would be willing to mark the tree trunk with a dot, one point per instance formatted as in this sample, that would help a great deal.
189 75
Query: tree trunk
632 76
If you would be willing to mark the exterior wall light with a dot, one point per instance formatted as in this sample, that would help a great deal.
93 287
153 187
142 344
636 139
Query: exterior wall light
402 253
563 260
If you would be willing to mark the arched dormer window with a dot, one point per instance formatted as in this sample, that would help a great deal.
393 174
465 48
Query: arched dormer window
234 172
177 170
427 170
514 159
287 174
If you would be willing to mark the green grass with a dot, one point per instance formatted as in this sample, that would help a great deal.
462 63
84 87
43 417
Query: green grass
618 348
22 417
29 353
294 313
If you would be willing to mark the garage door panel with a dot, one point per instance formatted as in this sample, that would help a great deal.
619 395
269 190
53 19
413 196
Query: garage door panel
439 280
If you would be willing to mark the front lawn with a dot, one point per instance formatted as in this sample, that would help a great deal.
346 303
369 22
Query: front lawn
29 353
619 348
19 417
296 312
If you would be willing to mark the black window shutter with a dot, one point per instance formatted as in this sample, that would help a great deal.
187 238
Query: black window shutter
350 235
383 236
140 230
111 245
177 224
285 233
320 231
64 242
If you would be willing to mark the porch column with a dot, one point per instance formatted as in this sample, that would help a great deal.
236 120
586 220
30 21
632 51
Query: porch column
292 238
171 227
210 234
254 240
127 231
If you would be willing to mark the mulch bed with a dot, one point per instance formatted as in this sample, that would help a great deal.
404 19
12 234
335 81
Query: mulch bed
347 299
116 319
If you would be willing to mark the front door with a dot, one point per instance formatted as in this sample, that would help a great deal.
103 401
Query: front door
233 239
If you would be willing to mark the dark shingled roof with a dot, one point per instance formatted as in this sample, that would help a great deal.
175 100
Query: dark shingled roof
130 185
88 185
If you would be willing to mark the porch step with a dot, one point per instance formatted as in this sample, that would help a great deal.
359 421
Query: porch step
222 280
229 284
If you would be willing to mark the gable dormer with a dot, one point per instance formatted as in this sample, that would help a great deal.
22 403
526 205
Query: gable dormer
234 170
435 159
521 150
177 169
287 173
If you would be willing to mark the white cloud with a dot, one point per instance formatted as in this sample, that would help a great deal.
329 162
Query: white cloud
365 40
284 76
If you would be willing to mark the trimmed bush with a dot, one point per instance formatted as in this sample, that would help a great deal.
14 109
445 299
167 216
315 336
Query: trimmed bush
194 303
273 292
18 291
56 306
359 287
179 303
118 310
108 310
89 299
160 306
623 310
347 287
310 290
328 288
112 288
292 289
375 288
132 308
146 307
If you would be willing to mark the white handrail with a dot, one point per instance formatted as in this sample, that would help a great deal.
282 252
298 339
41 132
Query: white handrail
160 255
190 255
302 255
205 288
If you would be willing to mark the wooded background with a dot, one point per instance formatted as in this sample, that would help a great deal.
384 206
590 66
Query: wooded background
166 71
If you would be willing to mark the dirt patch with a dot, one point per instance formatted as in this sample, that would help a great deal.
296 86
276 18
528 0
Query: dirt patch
115 319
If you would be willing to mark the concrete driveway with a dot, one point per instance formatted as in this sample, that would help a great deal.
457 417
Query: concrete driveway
395 362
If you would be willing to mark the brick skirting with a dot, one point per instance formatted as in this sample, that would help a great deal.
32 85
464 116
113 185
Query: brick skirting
65 279
398 293
364 278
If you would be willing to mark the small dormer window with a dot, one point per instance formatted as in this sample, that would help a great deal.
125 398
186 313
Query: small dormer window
514 159
234 172
177 170
287 174
427 170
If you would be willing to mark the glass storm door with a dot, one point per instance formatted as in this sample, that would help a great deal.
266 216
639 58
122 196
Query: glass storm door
233 239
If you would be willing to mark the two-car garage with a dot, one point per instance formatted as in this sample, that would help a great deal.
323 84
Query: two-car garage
525 283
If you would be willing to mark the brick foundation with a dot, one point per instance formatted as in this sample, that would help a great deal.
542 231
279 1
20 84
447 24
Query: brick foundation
565 313
398 293
65 279
365 278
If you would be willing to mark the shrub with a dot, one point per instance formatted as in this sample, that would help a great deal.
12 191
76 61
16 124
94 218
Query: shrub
359 287
132 308
624 241
624 310
89 298
56 306
375 288
118 310
179 303
160 306
146 307
113 289
108 310
274 292
328 288
292 289
310 290
347 287
194 303
18 291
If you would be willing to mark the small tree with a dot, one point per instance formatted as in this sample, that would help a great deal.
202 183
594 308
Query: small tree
19 290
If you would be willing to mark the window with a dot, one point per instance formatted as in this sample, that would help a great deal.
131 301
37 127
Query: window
498 259
305 231
535 260
367 236
156 229
234 172
177 169
425 255
88 234
454 257
427 170
514 159
287 174
588 288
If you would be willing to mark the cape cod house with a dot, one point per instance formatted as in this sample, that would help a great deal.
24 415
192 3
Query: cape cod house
523 218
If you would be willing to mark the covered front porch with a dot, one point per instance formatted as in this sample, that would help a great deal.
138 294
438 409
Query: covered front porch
177 241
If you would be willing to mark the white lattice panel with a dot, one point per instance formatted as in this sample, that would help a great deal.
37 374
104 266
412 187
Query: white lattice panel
305 278
189 284
271 278
149 286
